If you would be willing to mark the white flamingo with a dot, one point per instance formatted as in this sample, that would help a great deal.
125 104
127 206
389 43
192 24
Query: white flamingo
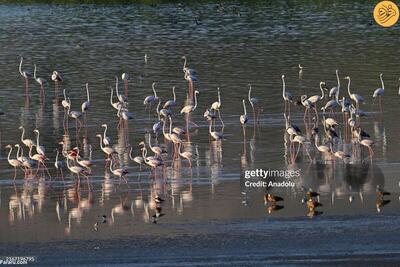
355 97
86 105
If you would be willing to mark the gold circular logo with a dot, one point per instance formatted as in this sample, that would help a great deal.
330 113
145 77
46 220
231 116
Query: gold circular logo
386 13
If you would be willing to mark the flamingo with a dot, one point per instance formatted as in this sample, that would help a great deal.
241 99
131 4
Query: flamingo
25 73
156 149
106 149
27 163
186 155
379 92
286 95
76 169
355 97
315 98
187 70
253 102
13 162
138 159
125 77
368 143
121 98
56 78
20 157
39 149
174 136
40 81
167 136
157 125
217 104
106 139
115 105
124 114
85 163
26 141
307 104
153 162
302 141
335 90
151 98
86 105
215 135
322 148
75 115
65 102
243 118
120 172
171 103
59 165
39 158
189 109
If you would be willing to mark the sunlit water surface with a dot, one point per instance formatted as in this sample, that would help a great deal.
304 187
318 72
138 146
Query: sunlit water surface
94 43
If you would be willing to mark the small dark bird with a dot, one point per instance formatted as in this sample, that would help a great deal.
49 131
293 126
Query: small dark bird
104 218
157 199
312 204
95 227
311 194
272 198
381 193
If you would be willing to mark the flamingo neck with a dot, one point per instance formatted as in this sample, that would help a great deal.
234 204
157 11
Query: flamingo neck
34 72
322 91
184 64
105 131
130 153
20 66
9 153
87 92
18 150
173 91
37 138
111 97
154 91
65 97
283 87
195 101
30 152
101 142
219 97
383 85
244 108
348 88
22 135
57 155
116 85
250 96
150 141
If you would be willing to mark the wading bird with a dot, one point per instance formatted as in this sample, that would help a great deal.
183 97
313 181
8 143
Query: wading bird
41 82
25 73
286 95
243 118
355 97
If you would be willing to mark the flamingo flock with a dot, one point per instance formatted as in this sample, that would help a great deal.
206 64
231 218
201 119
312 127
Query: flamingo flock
336 140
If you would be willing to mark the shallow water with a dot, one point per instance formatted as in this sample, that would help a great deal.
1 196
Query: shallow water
94 43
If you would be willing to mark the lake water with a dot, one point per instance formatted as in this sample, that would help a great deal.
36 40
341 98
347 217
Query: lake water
230 46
